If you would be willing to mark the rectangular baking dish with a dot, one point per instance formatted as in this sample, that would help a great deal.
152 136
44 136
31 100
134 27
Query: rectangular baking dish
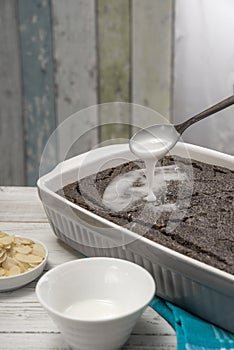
197 287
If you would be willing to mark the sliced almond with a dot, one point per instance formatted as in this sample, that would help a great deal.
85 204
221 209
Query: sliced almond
6 240
3 258
32 266
2 252
26 240
30 258
23 266
23 249
19 254
17 241
38 250
8 263
22 240
14 270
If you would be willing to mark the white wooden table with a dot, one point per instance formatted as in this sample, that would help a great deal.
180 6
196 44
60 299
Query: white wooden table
23 322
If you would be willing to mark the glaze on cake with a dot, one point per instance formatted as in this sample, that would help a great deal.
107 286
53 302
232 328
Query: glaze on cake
204 231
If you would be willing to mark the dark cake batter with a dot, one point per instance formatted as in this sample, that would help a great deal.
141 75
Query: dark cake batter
205 231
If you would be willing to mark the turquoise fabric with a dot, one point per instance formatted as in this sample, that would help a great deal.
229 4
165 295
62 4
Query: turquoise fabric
192 332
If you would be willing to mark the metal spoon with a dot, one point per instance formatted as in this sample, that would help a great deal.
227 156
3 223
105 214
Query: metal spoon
155 141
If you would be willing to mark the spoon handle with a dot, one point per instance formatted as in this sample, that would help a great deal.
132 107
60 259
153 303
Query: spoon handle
180 128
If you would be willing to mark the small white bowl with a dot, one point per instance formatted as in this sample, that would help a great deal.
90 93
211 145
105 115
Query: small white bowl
17 281
95 302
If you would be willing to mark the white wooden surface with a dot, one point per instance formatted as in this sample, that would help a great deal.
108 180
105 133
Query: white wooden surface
23 322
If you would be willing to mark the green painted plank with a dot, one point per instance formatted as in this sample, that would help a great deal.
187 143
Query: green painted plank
152 50
113 29
11 126
37 71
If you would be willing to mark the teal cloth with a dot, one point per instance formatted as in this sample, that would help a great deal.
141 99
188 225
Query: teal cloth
192 332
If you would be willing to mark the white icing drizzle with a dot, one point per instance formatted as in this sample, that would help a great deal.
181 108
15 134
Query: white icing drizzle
125 189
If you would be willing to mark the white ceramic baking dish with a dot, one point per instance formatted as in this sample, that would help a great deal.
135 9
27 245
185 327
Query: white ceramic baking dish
197 287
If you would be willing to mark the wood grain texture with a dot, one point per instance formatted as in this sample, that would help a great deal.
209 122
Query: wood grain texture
24 324
152 22
75 69
53 341
12 205
97 51
11 126
38 87
114 63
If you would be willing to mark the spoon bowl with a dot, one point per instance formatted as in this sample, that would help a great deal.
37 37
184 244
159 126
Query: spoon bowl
155 141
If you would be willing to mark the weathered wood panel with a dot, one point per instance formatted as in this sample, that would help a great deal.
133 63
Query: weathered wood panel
204 70
75 71
95 51
11 126
152 28
38 86
114 65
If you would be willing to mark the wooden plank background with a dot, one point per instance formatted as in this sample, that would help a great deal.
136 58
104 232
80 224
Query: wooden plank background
34 18
152 39
113 29
11 112
75 60
58 57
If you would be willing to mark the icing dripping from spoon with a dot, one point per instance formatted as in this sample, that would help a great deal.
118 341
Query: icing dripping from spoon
153 143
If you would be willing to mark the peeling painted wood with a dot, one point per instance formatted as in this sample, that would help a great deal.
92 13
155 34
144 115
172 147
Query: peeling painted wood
74 54
75 71
11 126
152 43
114 64
37 71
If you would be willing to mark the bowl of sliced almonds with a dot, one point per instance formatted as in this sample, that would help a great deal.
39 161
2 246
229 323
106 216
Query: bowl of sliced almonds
21 260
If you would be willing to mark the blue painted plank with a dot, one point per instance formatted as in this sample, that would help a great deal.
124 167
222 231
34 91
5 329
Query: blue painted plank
37 78
11 126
